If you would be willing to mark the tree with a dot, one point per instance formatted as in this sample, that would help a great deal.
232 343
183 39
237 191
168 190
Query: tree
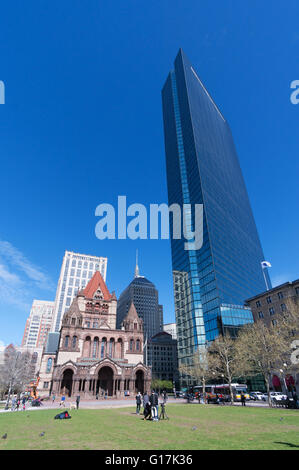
158 384
261 348
16 371
199 369
223 361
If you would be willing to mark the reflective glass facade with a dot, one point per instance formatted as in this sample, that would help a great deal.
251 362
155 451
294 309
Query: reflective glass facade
210 284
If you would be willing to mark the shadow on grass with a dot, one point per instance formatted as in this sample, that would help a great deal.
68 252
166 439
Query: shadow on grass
287 444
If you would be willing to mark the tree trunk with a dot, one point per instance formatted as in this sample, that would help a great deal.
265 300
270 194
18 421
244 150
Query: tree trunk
231 392
204 391
268 390
8 395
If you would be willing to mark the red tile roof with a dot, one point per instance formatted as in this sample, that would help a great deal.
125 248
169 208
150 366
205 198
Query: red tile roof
96 282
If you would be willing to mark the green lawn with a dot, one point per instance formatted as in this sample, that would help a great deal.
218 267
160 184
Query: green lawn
190 427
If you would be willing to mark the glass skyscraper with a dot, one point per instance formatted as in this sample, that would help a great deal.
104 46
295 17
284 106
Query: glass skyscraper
211 283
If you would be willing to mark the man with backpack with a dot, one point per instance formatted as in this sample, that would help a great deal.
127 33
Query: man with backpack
154 401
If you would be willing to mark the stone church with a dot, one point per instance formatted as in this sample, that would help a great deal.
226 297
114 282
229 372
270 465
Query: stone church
94 359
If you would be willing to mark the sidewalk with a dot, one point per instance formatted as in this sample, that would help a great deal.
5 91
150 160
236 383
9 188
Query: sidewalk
90 404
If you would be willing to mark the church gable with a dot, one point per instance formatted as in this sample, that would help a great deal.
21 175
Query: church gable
96 288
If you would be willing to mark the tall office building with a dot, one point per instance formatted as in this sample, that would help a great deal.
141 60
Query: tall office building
170 328
144 295
211 283
76 271
38 324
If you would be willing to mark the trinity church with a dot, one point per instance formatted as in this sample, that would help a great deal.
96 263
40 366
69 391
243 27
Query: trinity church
94 359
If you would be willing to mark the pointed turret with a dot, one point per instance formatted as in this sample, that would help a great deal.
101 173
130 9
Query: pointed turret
132 321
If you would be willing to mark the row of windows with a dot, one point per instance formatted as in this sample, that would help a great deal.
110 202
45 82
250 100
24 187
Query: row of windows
280 295
272 311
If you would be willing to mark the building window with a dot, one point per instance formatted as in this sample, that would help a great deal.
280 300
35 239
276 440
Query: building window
95 347
138 345
269 300
271 311
74 342
103 348
258 303
297 290
46 385
280 295
261 315
131 344
283 307
73 321
274 322
49 365
110 347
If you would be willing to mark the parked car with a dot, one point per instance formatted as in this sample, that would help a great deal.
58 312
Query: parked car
258 396
278 396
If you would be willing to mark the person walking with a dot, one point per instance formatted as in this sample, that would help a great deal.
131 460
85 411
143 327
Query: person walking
165 397
77 401
13 403
62 401
138 403
53 398
18 403
243 399
24 403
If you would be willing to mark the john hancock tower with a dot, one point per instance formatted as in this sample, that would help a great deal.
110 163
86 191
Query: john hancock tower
211 283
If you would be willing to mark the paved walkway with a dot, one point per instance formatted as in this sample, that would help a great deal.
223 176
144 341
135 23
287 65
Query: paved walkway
112 403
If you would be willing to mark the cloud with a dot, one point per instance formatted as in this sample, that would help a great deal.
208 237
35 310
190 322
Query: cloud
18 260
20 279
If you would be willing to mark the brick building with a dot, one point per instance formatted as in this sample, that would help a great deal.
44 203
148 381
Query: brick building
267 307
93 357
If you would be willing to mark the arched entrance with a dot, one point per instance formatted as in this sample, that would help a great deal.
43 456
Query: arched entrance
139 381
67 382
105 382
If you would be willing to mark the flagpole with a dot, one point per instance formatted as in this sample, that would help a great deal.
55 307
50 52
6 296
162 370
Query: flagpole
263 269
265 264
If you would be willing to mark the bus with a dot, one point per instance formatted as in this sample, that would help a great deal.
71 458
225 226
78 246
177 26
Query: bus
222 391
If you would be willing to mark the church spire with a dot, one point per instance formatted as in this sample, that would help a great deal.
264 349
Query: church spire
136 267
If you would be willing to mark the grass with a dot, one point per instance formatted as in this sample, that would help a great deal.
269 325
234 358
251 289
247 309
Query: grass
190 427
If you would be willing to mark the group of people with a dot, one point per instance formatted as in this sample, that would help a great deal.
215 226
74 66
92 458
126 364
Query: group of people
151 405
16 402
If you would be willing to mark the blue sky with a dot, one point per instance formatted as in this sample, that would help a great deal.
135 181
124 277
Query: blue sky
82 124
